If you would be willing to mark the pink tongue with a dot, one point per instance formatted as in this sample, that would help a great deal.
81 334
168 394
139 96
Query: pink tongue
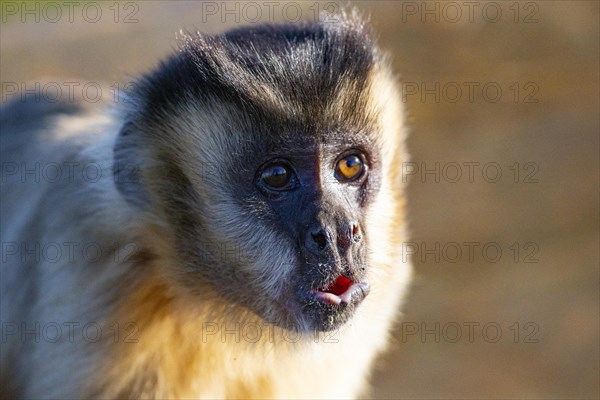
340 286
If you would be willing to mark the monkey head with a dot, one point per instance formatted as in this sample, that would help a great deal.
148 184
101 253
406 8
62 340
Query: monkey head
264 152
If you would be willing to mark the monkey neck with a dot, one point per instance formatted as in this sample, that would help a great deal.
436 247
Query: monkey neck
179 348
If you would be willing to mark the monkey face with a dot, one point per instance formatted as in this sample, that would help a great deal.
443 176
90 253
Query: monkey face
268 152
286 219
315 198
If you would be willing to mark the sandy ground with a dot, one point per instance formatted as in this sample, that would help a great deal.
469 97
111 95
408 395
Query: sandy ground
503 103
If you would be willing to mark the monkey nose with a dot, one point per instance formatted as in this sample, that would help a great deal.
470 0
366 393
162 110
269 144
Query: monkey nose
319 239
348 235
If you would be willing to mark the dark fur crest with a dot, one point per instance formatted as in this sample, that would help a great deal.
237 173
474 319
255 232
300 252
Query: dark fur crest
287 74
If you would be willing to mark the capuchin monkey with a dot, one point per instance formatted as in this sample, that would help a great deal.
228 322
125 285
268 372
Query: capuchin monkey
233 229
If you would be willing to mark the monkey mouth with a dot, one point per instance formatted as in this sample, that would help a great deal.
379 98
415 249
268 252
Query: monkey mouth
342 290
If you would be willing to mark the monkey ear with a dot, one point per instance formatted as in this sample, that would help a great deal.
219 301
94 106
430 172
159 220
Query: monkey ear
127 166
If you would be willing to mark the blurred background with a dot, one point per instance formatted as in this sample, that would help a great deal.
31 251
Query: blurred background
503 107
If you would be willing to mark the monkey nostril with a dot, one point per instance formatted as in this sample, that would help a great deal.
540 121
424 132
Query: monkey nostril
320 239
356 236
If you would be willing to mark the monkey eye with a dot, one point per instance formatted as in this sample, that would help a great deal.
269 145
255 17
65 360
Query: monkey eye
350 168
277 177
